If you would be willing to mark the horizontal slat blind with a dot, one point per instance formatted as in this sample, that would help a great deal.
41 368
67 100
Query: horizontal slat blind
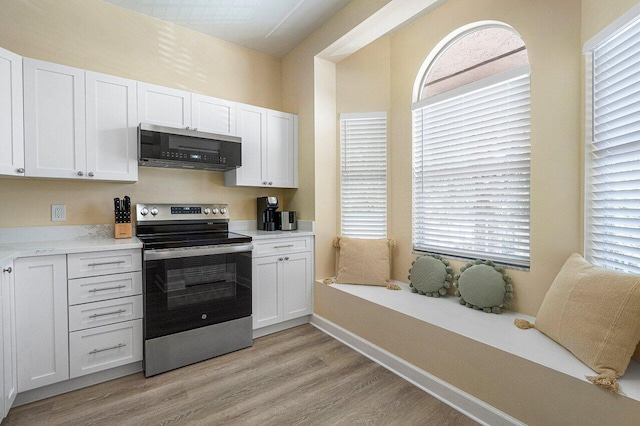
471 173
612 213
363 175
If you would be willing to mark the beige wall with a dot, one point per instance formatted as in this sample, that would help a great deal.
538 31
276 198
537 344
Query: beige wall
555 113
94 35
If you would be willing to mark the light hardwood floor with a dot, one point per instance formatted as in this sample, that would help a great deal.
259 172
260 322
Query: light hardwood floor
299 376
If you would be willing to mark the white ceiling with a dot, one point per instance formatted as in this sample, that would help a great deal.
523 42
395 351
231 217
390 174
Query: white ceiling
273 27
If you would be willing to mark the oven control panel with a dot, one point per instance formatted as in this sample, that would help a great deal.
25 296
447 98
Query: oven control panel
159 212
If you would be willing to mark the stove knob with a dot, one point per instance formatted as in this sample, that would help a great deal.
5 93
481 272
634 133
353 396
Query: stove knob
215 210
207 210
223 210
144 211
154 211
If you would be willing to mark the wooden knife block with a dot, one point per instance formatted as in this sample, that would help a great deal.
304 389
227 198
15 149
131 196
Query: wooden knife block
123 230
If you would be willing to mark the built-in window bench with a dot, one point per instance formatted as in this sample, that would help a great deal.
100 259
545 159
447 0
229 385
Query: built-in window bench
496 331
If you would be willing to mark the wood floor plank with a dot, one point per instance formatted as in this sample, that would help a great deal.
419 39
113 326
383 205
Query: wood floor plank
299 376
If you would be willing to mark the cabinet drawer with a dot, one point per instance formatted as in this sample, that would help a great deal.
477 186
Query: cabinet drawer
107 312
105 347
94 289
103 263
281 245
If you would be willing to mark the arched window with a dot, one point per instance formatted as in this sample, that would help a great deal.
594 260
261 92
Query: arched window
471 147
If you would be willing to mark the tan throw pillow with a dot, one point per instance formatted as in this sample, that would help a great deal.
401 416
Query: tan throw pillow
594 313
364 261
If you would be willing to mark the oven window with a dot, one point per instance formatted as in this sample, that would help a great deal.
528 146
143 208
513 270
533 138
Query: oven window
186 293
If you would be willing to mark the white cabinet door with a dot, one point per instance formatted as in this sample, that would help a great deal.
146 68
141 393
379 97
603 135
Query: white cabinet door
269 149
41 321
282 150
267 291
297 281
9 337
252 128
213 115
11 125
112 121
164 106
54 120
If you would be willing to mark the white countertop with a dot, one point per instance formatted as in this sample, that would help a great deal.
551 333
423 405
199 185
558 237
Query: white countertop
248 227
50 240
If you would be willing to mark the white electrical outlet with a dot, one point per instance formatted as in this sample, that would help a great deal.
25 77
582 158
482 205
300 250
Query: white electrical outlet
58 212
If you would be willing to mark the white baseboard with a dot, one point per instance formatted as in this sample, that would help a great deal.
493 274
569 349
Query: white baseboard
281 326
461 401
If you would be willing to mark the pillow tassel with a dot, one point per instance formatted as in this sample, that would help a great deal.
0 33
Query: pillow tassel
392 286
606 381
523 324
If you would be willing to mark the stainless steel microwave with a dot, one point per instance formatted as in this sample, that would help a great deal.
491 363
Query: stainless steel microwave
160 146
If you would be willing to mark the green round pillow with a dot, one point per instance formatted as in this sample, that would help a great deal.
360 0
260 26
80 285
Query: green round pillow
481 285
430 275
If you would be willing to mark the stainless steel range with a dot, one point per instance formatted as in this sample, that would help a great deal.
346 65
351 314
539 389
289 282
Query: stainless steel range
197 284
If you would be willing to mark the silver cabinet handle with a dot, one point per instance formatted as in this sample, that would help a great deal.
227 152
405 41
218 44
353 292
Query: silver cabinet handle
93 290
188 128
264 183
280 259
8 270
115 262
91 174
20 170
80 173
195 128
119 311
118 346
286 258
288 245
270 183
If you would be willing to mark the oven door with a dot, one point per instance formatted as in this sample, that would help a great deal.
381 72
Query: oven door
193 287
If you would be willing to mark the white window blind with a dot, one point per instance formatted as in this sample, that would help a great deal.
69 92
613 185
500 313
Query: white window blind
363 174
471 165
612 211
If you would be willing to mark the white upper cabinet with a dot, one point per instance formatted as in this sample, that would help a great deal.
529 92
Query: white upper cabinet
282 150
213 115
11 126
112 120
252 128
79 124
164 106
54 117
269 149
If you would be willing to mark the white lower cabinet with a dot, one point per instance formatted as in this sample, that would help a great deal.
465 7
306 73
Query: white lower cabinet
9 373
41 321
282 280
68 327
105 310
100 348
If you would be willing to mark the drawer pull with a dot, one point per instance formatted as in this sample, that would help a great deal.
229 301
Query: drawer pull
119 311
93 290
115 262
118 346
288 245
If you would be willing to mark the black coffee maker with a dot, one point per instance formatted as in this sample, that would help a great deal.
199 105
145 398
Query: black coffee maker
266 211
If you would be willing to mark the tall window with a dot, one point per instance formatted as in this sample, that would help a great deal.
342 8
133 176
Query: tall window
363 174
612 167
471 149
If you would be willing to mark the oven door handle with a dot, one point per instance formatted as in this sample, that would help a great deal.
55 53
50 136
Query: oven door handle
196 251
